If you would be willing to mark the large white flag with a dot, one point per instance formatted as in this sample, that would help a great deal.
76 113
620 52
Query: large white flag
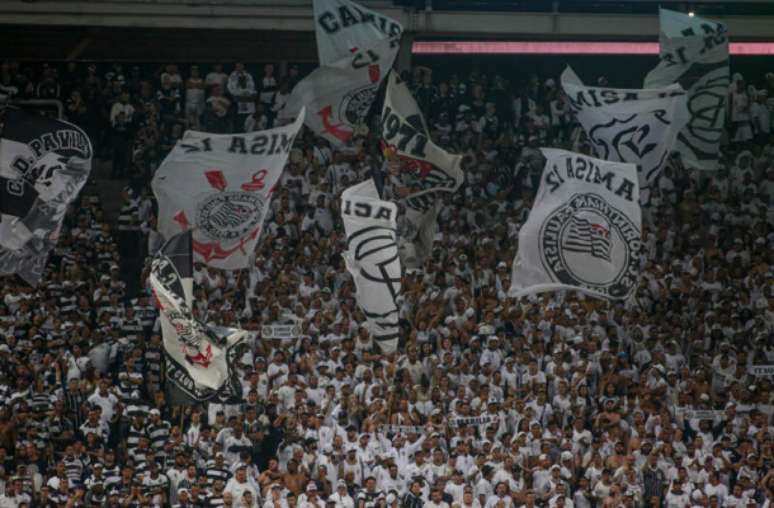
198 358
583 232
357 47
343 27
694 53
372 259
338 96
625 125
418 169
221 186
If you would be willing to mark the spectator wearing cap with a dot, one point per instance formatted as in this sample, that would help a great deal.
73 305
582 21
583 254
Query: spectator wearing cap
341 497
241 483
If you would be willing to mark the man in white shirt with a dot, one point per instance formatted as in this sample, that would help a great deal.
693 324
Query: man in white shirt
240 483
105 400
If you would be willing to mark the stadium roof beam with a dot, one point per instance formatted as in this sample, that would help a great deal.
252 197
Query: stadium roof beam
296 15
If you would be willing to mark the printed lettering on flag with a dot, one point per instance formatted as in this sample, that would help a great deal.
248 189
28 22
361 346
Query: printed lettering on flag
372 259
44 164
198 357
583 232
357 48
221 185
418 170
694 53
343 27
634 126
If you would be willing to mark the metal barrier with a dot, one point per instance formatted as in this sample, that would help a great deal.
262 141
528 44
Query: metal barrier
36 103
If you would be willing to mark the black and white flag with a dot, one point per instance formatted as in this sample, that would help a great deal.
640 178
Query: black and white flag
583 232
198 357
418 170
343 27
694 53
44 164
357 48
372 259
625 125
221 186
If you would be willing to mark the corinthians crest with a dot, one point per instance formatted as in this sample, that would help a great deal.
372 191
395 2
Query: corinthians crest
230 215
590 244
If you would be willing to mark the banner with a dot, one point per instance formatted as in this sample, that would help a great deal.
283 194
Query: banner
280 331
702 414
402 429
635 126
44 164
694 53
583 232
761 370
198 358
372 259
220 185
339 95
417 168
473 420
343 27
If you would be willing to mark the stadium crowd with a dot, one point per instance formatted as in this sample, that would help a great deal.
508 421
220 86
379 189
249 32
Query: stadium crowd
555 400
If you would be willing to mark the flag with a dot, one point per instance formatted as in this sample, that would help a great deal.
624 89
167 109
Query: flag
343 27
339 95
44 164
372 259
220 185
624 125
583 232
420 169
198 357
356 47
694 53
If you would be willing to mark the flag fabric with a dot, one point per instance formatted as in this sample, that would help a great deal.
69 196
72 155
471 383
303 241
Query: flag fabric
198 357
626 125
343 27
419 168
372 259
356 47
220 185
694 53
44 164
339 95
584 230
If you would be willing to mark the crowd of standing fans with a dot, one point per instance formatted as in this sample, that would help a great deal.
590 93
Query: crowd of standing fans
555 400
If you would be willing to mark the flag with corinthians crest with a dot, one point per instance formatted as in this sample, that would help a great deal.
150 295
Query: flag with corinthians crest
356 48
198 357
220 186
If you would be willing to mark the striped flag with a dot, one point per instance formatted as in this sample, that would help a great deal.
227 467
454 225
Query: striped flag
589 238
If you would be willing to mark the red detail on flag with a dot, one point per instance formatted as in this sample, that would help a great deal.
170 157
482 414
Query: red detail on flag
157 301
256 183
214 251
421 167
353 50
217 179
334 130
202 358
374 72
600 229
181 218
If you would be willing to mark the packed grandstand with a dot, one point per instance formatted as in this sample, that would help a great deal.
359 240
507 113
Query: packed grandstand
489 400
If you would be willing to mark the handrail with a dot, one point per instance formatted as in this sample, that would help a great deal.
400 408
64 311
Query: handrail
36 102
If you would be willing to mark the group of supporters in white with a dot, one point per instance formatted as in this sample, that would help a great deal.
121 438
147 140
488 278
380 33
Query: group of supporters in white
408 302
